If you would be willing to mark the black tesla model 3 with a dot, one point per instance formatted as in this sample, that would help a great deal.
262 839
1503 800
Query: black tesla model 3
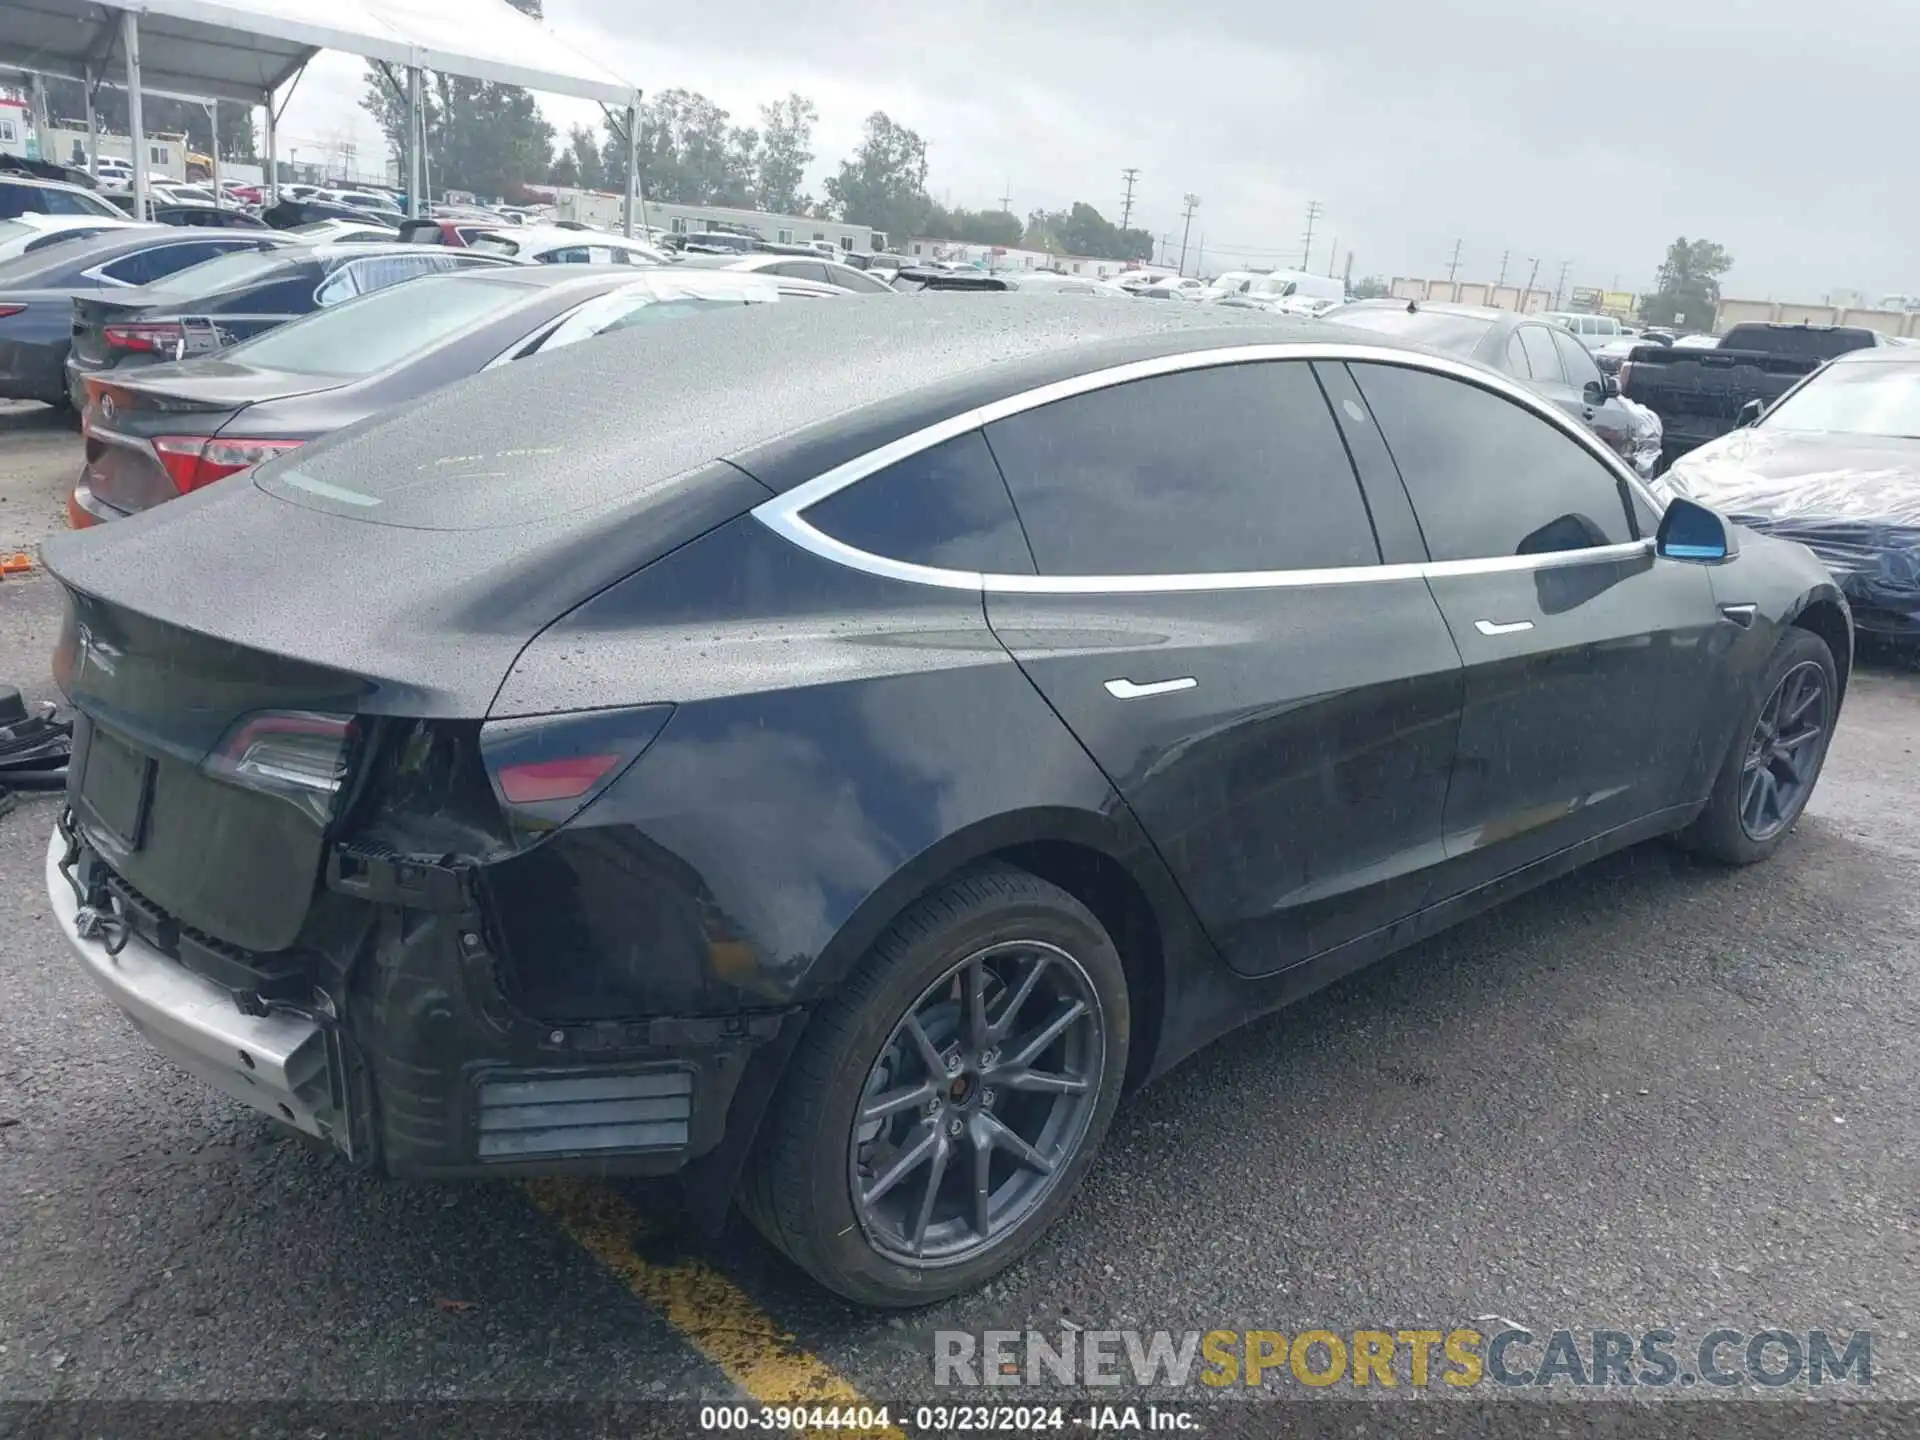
833 756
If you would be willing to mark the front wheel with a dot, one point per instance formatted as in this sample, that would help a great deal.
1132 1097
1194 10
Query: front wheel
943 1105
1769 773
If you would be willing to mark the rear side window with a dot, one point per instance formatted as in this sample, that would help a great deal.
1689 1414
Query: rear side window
1488 478
946 507
1228 468
1542 361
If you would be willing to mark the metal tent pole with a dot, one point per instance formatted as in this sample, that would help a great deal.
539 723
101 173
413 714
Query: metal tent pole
93 129
136 132
273 154
416 142
633 169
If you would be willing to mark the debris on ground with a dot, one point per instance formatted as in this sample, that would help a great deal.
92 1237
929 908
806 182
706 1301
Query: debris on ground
35 745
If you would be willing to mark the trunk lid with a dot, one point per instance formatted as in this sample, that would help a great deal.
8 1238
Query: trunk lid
229 602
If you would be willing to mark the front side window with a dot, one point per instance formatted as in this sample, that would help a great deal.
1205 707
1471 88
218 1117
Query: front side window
1487 477
946 507
1227 468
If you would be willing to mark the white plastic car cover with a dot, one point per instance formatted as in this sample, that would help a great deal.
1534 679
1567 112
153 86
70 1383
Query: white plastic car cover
1854 500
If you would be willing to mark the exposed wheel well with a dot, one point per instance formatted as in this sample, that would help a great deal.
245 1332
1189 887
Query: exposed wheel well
1824 618
1103 885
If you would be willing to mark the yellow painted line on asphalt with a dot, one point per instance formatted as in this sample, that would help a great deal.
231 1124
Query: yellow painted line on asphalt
709 1311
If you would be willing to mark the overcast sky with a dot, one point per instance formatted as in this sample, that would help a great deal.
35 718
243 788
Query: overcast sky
1586 134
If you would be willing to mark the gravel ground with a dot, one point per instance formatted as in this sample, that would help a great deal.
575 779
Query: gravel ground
1655 1093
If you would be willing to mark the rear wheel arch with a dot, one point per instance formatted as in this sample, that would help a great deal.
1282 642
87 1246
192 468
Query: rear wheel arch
1085 854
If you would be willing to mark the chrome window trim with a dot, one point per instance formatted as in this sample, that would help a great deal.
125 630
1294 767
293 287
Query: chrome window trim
784 513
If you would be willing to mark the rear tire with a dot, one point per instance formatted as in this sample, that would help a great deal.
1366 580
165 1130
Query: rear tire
815 1151
1732 829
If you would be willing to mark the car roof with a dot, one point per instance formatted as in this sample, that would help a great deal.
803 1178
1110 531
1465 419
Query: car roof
14 177
784 391
1439 307
1897 353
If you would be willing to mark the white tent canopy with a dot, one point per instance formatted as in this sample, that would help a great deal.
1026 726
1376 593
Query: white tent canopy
245 50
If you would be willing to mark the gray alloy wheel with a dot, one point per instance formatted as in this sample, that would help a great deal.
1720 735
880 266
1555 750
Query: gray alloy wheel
1784 751
982 1090
948 1095
1773 757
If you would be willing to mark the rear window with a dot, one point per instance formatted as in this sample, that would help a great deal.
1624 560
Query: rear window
196 282
1794 340
1455 334
366 335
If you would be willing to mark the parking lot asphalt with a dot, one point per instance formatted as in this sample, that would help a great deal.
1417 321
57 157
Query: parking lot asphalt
1656 1093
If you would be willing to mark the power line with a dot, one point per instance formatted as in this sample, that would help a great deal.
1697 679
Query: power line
1192 202
1306 242
1453 266
1130 174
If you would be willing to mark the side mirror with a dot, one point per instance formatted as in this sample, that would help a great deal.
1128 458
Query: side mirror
1749 412
1594 392
1611 385
1690 531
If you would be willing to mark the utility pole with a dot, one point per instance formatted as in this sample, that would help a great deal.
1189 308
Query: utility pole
1006 198
1560 285
1453 265
1192 202
1333 257
1200 257
1130 174
1503 269
1306 241
1527 294
1347 280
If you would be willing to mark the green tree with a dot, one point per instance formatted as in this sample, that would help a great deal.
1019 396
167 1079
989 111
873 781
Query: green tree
786 132
689 153
973 227
490 139
1083 230
580 160
1688 285
883 184
1372 287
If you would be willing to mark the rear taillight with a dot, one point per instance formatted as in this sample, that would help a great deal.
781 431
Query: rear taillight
151 338
299 755
195 460
546 769
6 310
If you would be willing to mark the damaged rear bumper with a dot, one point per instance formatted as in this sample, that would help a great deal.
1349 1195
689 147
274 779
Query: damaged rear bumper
278 1063
420 1067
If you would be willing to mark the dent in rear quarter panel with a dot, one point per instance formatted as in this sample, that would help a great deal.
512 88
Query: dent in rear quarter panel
826 761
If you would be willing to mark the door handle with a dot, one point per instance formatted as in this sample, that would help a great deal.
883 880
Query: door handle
1497 627
1127 690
